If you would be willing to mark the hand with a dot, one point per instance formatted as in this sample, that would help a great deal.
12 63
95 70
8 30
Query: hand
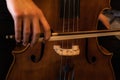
104 20
27 19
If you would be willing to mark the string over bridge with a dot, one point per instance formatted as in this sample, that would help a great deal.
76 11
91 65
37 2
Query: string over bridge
67 52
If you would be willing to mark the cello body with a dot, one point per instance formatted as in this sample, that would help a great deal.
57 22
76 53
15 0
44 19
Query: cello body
45 62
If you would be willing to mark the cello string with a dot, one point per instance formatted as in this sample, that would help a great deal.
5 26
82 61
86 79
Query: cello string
74 2
71 14
67 27
69 11
67 41
74 26
64 15
64 11
63 26
68 20
77 15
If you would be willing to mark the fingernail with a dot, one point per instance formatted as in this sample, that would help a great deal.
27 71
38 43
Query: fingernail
18 41
25 44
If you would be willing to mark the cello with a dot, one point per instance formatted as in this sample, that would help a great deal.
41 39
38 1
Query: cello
73 59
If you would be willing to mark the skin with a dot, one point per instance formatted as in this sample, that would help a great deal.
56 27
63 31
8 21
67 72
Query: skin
27 19
104 20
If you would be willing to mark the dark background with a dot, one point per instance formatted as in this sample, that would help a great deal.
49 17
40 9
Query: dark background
115 4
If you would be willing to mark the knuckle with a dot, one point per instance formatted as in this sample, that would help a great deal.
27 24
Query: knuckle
36 34
25 14
34 14
40 11
27 33
17 30
47 30
18 15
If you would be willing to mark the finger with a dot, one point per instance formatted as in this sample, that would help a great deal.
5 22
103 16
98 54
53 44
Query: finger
46 26
36 31
18 28
26 30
